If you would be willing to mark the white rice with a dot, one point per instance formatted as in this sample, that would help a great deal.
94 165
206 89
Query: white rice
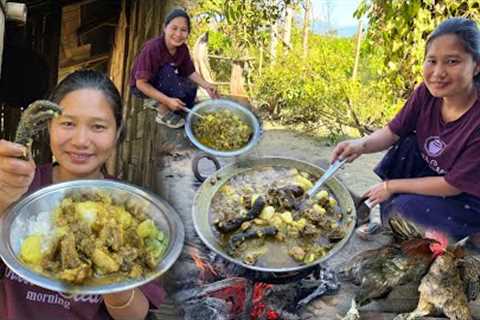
41 224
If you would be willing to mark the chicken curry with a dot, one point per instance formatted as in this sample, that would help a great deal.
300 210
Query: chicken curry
94 237
255 218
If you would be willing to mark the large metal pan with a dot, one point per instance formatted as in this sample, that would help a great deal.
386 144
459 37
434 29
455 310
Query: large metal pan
206 192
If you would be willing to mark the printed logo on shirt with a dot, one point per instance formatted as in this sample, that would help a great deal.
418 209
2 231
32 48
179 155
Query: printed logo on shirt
434 146
433 164
47 298
59 298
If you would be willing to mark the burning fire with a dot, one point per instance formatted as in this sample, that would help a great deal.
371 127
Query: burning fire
201 262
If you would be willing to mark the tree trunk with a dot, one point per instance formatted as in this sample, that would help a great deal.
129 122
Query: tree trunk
287 29
306 26
274 41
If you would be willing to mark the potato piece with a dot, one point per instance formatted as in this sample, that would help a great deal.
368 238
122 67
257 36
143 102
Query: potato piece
146 228
267 213
87 211
31 250
332 202
260 222
277 221
309 258
123 217
319 209
300 223
303 182
322 194
286 217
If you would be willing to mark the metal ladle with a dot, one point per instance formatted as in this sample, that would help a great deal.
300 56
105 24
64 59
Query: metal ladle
192 112
320 182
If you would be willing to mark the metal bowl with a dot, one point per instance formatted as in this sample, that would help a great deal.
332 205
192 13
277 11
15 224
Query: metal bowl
14 229
220 104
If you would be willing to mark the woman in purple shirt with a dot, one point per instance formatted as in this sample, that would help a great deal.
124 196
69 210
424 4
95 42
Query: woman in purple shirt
163 71
430 175
81 139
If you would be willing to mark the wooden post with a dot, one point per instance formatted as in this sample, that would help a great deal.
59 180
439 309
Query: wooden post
357 50
200 57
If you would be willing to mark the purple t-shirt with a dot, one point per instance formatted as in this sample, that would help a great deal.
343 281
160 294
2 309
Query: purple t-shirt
21 300
154 55
451 149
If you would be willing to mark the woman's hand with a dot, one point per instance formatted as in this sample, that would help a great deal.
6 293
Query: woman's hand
16 175
175 104
378 193
131 304
211 90
349 149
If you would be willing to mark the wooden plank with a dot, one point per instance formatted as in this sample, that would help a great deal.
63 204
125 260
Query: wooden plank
94 25
237 81
78 53
93 59
69 6
214 56
115 69
71 20
122 166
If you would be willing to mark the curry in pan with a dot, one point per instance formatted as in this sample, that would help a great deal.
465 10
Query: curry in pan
254 217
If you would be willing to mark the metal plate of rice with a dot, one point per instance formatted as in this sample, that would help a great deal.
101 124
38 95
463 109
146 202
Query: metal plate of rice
32 214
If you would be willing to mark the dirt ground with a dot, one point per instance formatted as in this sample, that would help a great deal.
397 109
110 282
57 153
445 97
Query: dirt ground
177 185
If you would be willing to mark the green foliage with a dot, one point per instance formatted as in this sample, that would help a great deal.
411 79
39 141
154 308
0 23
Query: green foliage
245 22
319 92
400 28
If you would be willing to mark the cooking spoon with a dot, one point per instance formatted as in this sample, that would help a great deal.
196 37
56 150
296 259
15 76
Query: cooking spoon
320 182
193 112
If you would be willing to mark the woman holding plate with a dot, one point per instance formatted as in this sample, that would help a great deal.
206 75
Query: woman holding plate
82 138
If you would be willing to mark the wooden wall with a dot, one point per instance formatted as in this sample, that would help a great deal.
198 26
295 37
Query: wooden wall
29 69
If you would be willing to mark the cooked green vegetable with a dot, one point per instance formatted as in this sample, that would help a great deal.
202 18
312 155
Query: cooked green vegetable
222 130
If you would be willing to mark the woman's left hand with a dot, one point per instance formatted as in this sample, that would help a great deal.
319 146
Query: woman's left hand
212 91
378 193
129 304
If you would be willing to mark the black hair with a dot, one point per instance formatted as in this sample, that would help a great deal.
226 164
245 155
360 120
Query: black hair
175 13
466 31
91 79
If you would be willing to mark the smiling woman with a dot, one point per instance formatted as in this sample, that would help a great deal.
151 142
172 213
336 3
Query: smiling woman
430 174
81 139
163 72
84 136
